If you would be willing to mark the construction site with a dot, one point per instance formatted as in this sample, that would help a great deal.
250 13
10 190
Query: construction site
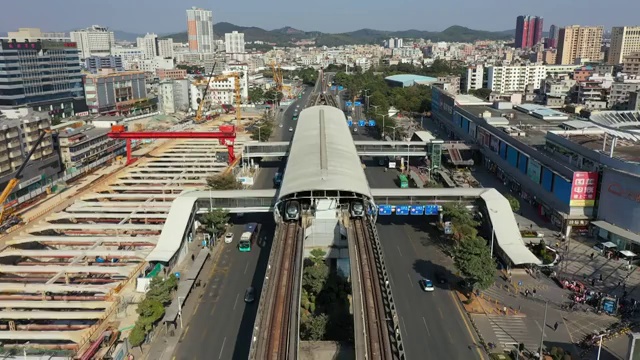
68 272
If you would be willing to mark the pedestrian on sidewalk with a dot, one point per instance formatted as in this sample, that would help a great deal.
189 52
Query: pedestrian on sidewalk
555 326
600 277
592 254
193 257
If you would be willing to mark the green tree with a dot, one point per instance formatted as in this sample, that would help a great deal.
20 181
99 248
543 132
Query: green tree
137 335
262 131
315 276
514 202
160 289
272 94
315 328
462 222
215 220
256 95
223 182
473 259
150 311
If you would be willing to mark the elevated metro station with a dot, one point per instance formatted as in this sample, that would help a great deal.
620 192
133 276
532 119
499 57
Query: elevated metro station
324 171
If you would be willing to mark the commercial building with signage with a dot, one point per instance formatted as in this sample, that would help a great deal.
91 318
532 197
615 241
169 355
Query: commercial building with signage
117 93
44 75
619 210
512 146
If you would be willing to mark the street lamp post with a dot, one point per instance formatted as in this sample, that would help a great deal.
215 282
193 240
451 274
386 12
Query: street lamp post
544 324
260 132
599 345
383 124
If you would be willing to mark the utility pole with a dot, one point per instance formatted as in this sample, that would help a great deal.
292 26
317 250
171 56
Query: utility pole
544 324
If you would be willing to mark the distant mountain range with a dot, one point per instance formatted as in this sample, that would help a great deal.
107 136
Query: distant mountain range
288 35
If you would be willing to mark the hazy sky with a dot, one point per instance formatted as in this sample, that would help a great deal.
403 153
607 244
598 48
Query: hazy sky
164 16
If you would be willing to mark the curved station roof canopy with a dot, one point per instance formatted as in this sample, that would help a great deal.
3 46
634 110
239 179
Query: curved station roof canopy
322 156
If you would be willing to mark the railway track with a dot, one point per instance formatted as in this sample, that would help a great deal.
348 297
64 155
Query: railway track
377 339
280 316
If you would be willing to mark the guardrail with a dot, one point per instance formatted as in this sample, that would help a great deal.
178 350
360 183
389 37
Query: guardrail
387 294
275 249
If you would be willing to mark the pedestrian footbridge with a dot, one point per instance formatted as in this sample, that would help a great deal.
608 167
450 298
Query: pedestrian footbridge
363 148
323 163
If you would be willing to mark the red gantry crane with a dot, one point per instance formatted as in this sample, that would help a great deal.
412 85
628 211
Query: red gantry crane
226 135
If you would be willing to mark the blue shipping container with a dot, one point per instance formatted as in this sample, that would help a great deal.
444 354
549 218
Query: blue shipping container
512 156
503 150
562 189
465 125
523 162
547 179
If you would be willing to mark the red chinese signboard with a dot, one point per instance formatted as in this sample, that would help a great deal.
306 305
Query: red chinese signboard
583 189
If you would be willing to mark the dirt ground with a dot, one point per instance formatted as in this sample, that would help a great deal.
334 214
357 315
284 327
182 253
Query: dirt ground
326 350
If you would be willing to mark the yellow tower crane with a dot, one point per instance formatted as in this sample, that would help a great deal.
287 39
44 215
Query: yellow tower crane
277 75
237 95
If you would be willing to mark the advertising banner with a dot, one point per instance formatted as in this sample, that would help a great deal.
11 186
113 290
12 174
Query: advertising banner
534 171
583 189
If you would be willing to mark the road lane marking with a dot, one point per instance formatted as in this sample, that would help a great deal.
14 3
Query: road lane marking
425 326
236 303
404 335
410 280
222 348
440 311
400 252
246 267
465 320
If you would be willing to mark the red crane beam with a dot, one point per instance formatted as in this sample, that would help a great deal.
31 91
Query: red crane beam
227 137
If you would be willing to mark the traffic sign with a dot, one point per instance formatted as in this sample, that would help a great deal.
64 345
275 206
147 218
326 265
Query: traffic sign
358 103
431 209
416 210
350 123
384 210
348 103
340 88
402 210
372 123
362 123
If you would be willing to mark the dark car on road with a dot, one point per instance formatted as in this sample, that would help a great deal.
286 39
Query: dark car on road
249 295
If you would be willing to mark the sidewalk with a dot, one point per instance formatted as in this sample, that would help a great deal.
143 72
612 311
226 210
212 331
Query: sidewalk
165 340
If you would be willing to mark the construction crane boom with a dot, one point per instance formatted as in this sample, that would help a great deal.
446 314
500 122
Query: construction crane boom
204 96
16 178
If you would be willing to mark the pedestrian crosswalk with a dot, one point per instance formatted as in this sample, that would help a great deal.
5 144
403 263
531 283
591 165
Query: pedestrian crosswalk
512 330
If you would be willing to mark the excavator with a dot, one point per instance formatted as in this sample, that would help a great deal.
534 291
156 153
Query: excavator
5 213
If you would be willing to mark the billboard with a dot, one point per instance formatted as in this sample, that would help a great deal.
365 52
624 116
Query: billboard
619 201
583 189
534 171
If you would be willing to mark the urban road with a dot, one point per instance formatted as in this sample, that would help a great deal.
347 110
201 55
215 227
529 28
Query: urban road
222 325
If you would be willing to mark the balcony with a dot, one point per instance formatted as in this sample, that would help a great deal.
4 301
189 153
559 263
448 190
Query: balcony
16 163
4 157
15 144
12 134
15 154
5 167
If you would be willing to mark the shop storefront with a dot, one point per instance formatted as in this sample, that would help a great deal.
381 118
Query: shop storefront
619 210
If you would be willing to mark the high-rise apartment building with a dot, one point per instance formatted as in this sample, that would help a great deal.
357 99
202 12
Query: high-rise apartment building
234 42
149 45
528 31
200 30
165 48
631 64
44 75
552 40
577 42
96 40
116 93
625 40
